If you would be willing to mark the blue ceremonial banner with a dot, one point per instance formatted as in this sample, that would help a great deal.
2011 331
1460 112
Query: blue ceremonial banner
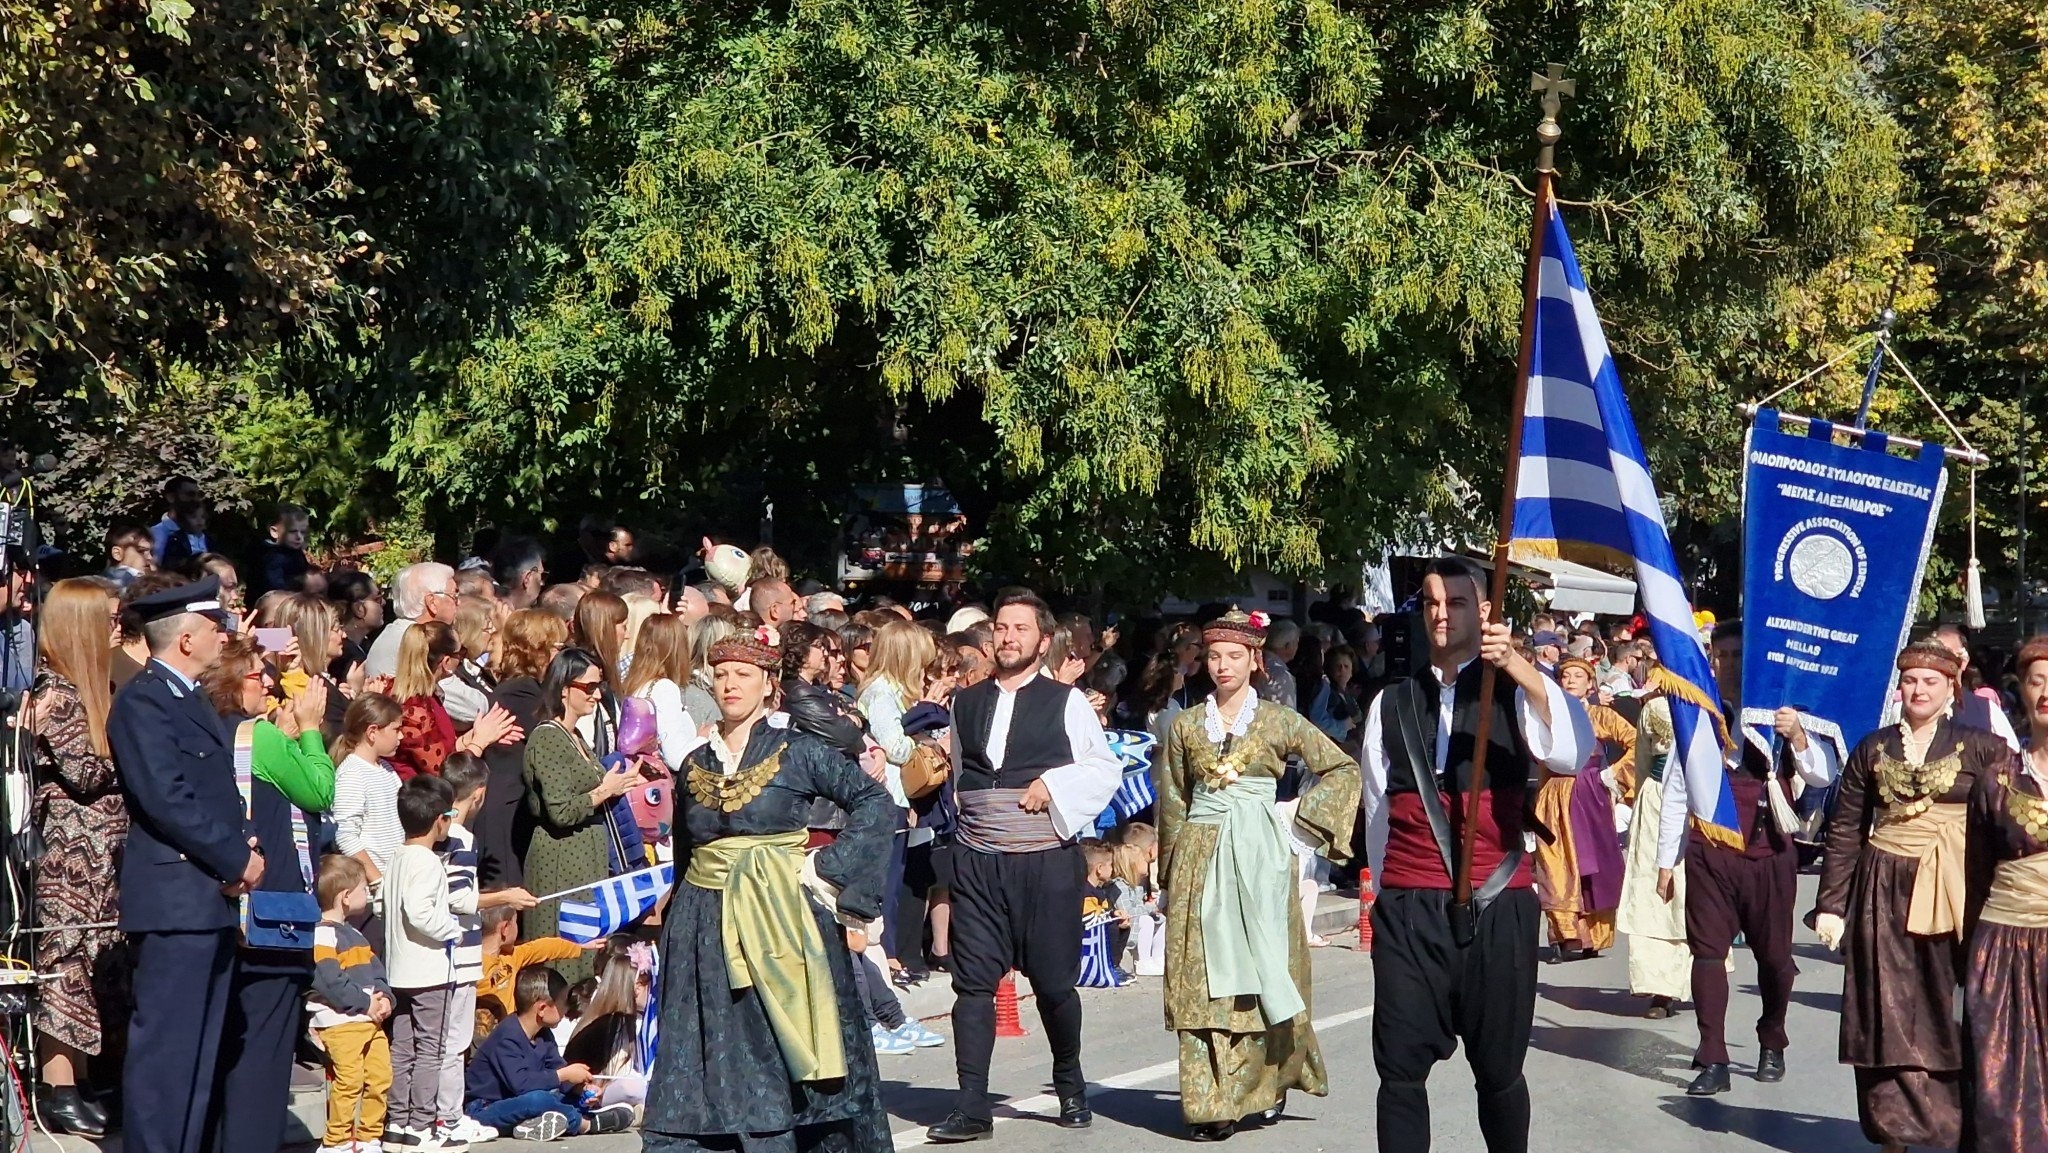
1584 493
1834 543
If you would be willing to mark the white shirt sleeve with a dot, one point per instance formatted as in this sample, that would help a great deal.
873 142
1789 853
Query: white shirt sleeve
1671 818
673 724
1816 766
1372 793
351 802
1081 791
1561 748
2002 725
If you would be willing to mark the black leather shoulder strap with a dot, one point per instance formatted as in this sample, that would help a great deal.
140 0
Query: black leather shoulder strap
1411 709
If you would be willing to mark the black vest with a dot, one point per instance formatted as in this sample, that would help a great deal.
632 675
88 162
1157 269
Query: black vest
1508 763
1038 733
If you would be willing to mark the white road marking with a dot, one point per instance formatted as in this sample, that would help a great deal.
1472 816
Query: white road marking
1047 1104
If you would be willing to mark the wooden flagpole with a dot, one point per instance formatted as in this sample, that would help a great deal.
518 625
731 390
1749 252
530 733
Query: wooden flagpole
1553 85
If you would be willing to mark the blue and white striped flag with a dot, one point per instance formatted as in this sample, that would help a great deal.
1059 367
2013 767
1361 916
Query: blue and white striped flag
1584 494
1136 793
647 1039
1098 968
614 904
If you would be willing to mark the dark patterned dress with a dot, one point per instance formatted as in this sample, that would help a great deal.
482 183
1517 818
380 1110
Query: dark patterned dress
2005 986
83 825
720 1081
1898 833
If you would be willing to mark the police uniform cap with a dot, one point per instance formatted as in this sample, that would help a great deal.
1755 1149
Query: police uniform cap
200 596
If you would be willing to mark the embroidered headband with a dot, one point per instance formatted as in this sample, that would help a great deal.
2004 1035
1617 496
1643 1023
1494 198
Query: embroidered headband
759 647
1931 655
1238 627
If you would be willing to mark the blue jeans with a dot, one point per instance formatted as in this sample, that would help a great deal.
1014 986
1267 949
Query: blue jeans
509 1113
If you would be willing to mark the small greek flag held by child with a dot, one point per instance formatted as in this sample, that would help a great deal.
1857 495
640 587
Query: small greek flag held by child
614 904
1098 968
1135 794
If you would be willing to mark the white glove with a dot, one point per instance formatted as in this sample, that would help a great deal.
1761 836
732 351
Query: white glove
1829 928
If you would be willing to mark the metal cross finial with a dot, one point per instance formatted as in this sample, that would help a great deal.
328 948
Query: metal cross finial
1552 84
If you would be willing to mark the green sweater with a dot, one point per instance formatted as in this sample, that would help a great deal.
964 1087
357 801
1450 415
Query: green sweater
300 769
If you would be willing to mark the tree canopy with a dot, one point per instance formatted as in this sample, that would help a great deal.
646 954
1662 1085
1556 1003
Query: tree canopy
1160 288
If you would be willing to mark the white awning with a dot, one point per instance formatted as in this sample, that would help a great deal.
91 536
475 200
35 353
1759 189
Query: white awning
1576 588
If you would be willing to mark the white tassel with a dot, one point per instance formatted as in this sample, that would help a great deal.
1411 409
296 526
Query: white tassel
1973 595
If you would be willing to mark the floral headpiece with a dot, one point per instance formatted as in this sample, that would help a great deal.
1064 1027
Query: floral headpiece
640 955
759 647
1238 627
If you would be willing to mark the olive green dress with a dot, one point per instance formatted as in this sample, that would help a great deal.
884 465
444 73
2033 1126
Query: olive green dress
1233 1063
569 835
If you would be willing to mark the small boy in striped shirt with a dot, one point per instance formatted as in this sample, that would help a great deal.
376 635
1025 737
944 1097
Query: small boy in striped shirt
351 1000
466 777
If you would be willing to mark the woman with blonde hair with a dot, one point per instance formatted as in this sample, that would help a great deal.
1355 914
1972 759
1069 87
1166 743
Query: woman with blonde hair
661 667
527 642
82 822
706 632
315 629
466 690
894 681
426 656
639 607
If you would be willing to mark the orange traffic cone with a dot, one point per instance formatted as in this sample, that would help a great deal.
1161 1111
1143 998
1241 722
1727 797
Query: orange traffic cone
1365 896
1007 1024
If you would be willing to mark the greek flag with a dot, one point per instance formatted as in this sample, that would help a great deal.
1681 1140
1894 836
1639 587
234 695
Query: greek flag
647 1038
1136 793
1584 494
1098 968
614 904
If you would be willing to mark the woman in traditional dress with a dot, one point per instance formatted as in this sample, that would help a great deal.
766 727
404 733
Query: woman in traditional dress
764 1047
2005 981
1892 896
1659 961
1578 870
1237 971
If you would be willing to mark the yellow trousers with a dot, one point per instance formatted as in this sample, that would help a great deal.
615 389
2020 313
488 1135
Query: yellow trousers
359 1054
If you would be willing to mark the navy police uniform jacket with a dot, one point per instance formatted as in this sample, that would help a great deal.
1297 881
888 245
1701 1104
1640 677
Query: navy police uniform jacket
188 833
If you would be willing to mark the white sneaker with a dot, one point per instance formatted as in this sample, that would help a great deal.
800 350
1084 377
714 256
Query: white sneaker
450 1139
402 1140
474 1132
546 1127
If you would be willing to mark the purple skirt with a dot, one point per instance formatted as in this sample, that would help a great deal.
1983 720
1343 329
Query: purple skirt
1597 844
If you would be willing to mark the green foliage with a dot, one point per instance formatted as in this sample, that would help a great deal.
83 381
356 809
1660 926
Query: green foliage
1214 284
281 449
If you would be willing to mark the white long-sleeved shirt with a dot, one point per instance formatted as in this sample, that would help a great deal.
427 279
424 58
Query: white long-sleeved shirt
1561 748
678 731
1079 791
420 928
1815 765
366 811
882 704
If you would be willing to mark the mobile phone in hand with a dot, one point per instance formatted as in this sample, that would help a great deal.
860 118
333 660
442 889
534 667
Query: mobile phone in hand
272 640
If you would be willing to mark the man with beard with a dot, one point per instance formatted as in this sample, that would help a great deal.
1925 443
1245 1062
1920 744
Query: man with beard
1032 771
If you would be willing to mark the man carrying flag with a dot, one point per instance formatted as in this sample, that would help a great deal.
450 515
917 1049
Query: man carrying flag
1434 985
1746 883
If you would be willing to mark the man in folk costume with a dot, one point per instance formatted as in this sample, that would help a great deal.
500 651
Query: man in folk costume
1440 977
1747 887
1893 894
1578 870
1033 770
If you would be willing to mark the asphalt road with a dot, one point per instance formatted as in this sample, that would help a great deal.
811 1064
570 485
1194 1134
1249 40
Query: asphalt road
1600 1075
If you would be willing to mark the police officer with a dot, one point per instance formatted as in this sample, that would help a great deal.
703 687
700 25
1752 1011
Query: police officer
190 856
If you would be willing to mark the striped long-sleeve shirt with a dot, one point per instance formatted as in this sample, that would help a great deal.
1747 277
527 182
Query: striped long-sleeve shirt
366 811
345 972
458 853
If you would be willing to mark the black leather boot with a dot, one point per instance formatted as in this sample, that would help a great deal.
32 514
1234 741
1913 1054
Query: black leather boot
63 1110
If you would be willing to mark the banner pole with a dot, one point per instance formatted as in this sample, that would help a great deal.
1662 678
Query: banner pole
1553 85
